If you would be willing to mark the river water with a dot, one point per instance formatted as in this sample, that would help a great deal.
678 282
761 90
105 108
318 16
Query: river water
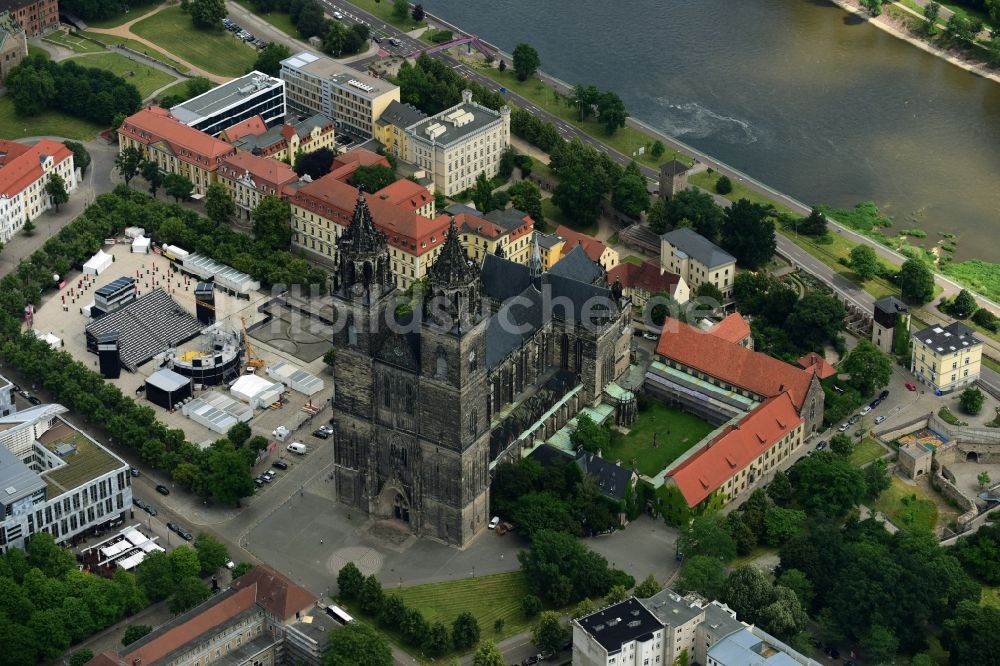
797 93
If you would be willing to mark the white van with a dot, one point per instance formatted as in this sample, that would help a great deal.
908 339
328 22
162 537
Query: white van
297 447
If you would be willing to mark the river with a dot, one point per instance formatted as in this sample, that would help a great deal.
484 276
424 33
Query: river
797 93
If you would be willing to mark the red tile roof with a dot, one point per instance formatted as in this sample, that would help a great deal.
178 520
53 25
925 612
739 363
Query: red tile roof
275 592
26 167
11 149
732 363
405 193
267 173
345 165
817 365
593 247
646 276
733 328
255 126
156 125
735 448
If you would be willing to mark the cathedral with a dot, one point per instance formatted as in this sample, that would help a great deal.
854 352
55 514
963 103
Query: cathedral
424 391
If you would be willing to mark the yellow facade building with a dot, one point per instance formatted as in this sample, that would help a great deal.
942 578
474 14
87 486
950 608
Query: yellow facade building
946 358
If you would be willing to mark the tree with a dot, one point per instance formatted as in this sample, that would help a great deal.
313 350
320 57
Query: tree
827 484
526 61
583 609
916 281
549 635
611 112
698 208
241 569
812 225
315 164
438 641
310 21
219 205
269 58
647 588
400 9
150 171
742 535
197 86
207 13
502 66
357 644
271 222
874 7
864 262
706 536
932 12
983 479
155 576
188 593
780 489
531 605
28 227
184 563
868 366
211 553
49 557
465 631
747 591
373 178
33 90
487 654
81 657
877 478
239 433
723 185
589 436
418 13
525 196
782 524
81 157
414 627
225 473
748 233
709 291
964 305
657 149
127 163
971 401
350 580
970 636
629 194
177 186
482 193
562 570
134 632
842 445
585 99
617 594
797 582
784 616
880 644
371 596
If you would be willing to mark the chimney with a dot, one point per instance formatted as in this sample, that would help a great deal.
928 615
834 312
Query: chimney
137 661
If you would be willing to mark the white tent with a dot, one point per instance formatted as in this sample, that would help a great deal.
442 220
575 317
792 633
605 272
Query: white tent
256 391
294 378
141 245
53 341
97 263
134 232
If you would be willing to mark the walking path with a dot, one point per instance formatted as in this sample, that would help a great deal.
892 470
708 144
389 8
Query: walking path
145 60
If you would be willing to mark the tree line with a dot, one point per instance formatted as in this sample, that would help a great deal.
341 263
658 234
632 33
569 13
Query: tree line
308 18
39 84
100 10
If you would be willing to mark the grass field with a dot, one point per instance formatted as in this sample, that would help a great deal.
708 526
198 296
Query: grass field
50 123
120 19
73 42
282 22
908 507
113 40
145 78
38 50
675 432
218 52
383 10
631 259
867 451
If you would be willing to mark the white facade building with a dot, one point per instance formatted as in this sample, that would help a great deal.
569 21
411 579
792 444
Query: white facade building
24 172
56 479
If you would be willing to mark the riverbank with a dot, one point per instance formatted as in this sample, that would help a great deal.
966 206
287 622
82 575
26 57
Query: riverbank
886 23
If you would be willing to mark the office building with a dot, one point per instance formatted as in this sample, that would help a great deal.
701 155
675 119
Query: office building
56 479
946 358
318 84
458 144
250 178
390 128
698 260
282 142
254 94
24 173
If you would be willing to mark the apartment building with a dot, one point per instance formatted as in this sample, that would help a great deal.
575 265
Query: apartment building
946 358
640 282
24 172
697 260
13 44
254 94
390 128
506 232
174 146
56 479
282 142
458 144
317 84
597 250
250 178
36 17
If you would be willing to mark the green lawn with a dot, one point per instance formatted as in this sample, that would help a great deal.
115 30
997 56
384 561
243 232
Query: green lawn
179 88
144 77
282 22
676 432
632 259
218 52
113 40
73 42
707 180
907 506
867 451
50 123
118 20
426 35
38 50
383 10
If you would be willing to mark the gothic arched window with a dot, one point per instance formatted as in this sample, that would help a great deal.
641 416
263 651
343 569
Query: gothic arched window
441 367
352 332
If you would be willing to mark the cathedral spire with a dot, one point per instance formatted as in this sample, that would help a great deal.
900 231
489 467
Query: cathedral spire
362 257
535 263
452 267
361 234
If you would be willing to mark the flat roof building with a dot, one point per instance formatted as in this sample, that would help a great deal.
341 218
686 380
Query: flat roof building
355 100
255 94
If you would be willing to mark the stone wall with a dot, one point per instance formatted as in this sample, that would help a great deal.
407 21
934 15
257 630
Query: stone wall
949 490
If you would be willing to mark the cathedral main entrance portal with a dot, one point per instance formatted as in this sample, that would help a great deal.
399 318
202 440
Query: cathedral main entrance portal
394 504
401 509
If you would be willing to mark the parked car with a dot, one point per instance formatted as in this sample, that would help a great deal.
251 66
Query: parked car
138 502
910 387
184 534
874 403
494 522
321 433
528 661
280 464
172 526
162 489
151 510
33 400
376 39
832 652
843 427
883 395
338 16
854 419
134 471
258 482
230 565
395 42
879 419
866 410
821 445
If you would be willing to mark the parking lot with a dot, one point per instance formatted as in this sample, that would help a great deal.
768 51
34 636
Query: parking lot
245 35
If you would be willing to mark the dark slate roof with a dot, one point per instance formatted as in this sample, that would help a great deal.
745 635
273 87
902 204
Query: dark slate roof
576 265
673 168
547 455
697 246
612 479
891 305
508 218
548 240
950 338
619 624
585 298
503 278
516 321
402 115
